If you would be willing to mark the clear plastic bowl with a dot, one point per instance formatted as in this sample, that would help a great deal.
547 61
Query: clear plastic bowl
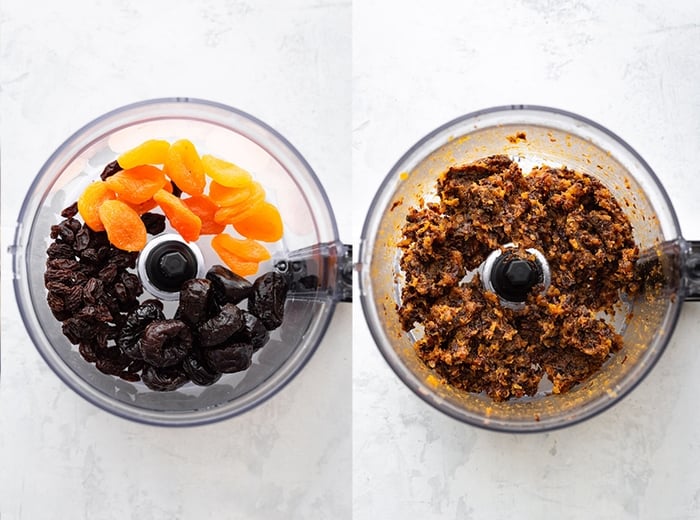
289 182
556 138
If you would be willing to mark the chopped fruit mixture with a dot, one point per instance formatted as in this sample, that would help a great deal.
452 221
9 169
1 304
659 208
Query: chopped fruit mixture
472 340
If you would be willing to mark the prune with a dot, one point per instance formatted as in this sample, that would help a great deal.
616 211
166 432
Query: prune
221 327
268 298
255 332
154 222
163 379
165 343
230 358
70 211
194 300
228 286
110 170
198 371
127 340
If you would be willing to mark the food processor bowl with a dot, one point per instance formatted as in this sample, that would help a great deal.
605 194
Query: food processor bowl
530 136
309 247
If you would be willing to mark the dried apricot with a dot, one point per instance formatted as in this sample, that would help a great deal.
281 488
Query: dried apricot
225 196
235 212
234 262
181 218
90 201
137 184
204 208
265 223
125 229
152 151
183 165
246 249
226 173
147 206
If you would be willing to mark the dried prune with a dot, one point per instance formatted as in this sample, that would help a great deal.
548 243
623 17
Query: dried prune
127 340
230 358
165 343
198 371
110 170
228 286
194 300
163 379
268 298
221 327
154 222
254 331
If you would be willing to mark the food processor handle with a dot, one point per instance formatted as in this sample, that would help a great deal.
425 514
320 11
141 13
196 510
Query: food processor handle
691 269
319 270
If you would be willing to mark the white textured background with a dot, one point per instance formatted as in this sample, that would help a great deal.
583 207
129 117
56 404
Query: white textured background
61 65
633 67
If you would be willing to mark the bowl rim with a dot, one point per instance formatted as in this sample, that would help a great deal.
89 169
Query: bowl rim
189 418
404 374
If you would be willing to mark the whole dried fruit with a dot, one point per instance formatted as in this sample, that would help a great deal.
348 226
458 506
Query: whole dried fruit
230 358
136 322
183 165
163 379
152 151
228 286
180 216
165 343
268 298
195 297
124 227
198 371
91 200
221 327
254 331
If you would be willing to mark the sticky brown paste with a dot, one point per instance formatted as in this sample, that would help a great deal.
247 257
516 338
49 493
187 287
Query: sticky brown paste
470 339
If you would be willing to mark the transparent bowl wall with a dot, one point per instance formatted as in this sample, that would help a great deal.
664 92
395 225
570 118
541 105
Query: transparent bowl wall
555 138
222 131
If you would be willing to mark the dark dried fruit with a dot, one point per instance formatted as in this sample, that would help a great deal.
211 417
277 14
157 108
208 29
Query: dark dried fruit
230 358
154 222
228 286
268 298
194 300
146 313
60 250
71 211
165 343
163 379
198 371
82 238
110 170
221 327
254 331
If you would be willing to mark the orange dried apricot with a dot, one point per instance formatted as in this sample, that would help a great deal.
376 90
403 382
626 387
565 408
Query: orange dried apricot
137 184
264 223
147 206
204 208
225 196
125 229
152 151
184 167
234 262
90 201
246 249
226 173
181 218
233 213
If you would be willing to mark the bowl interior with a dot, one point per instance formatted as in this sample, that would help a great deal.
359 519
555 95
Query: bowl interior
555 139
289 183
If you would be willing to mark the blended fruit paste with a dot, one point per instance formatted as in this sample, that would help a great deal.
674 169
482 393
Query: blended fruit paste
469 338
